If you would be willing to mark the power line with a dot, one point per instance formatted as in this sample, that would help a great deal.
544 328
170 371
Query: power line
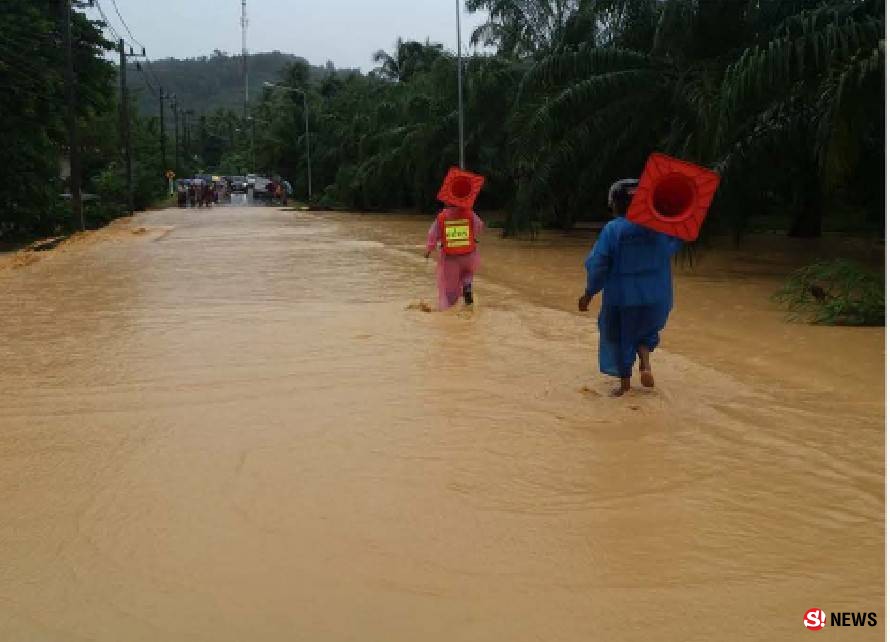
147 75
146 79
124 22
151 70
133 40
107 22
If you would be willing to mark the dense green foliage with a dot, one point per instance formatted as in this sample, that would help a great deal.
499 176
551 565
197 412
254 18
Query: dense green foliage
32 63
838 292
213 82
33 106
783 97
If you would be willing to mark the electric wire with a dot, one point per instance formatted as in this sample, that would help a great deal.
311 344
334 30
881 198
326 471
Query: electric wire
136 42
107 22
133 40
124 23
147 81
148 72
151 70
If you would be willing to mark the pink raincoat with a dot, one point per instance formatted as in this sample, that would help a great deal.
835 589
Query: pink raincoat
453 272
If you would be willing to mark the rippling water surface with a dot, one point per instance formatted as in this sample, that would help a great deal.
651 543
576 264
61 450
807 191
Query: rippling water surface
233 425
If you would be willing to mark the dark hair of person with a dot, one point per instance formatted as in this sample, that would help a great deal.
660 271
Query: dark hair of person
620 203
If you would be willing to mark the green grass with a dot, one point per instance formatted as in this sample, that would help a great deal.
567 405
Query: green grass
838 292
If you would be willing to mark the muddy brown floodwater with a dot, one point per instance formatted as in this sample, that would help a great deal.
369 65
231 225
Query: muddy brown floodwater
240 424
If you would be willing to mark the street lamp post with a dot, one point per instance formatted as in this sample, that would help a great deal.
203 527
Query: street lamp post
460 88
308 148
252 143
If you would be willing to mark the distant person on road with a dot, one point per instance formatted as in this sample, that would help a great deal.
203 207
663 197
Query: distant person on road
181 195
631 266
191 194
288 190
456 230
208 195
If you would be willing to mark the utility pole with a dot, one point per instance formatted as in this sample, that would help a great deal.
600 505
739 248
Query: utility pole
244 54
71 117
175 135
308 148
163 97
202 136
125 122
125 126
252 144
188 133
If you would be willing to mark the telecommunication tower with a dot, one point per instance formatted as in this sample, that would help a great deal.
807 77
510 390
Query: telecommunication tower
244 54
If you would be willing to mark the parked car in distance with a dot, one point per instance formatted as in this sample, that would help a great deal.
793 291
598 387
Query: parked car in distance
238 184
261 184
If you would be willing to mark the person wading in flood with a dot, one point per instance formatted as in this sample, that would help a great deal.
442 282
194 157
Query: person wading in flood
631 265
457 229
208 195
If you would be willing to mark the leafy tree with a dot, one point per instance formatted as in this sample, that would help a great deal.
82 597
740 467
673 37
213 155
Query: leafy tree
735 85
783 97
33 106
809 97
523 28
410 58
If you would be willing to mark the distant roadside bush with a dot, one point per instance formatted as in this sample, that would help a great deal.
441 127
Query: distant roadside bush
838 292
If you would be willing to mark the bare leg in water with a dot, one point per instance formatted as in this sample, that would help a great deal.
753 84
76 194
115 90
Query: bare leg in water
623 387
646 377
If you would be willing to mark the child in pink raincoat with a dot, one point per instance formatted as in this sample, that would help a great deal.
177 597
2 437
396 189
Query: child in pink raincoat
456 230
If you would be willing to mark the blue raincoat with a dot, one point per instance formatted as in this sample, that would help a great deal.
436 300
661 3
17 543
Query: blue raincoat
631 265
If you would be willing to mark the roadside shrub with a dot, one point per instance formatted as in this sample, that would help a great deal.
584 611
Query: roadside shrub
838 292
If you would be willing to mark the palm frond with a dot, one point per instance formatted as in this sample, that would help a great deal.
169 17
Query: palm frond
590 94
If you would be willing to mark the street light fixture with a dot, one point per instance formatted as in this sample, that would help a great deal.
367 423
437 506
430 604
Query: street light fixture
271 85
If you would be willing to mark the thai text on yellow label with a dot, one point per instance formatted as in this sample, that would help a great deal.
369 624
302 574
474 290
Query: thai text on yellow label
457 233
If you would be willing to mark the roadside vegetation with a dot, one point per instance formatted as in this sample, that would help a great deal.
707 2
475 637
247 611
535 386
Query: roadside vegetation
785 98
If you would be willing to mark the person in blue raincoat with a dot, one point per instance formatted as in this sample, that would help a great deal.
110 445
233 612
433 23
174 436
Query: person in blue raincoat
631 266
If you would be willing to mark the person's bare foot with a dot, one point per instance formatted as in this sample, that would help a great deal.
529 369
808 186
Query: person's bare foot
623 387
646 376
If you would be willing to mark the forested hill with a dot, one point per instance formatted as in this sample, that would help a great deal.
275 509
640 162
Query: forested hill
209 82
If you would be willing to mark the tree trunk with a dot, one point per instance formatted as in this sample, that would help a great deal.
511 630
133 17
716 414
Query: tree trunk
807 221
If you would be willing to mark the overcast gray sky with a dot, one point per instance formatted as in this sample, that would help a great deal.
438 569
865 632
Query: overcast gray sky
347 32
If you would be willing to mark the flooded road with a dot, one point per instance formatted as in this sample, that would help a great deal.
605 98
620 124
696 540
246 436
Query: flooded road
234 425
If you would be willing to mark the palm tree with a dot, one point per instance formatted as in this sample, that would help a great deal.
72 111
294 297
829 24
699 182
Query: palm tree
811 94
409 58
389 66
522 28
591 112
